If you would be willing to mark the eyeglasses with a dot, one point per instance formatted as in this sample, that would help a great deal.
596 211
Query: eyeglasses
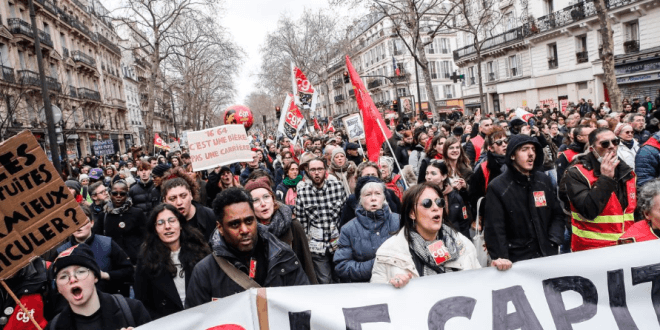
119 193
606 144
80 274
265 199
427 203
170 220
626 132
500 142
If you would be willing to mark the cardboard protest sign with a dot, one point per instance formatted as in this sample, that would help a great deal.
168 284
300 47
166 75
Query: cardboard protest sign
219 146
609 288
354 127
37 211
103 148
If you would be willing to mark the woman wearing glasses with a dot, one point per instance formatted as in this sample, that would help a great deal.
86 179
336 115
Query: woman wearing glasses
426 245
122 221
629 146
170 252
278 218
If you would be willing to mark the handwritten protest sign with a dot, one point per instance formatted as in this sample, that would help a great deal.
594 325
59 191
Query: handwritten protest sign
37 211
103 148
354 127
218 146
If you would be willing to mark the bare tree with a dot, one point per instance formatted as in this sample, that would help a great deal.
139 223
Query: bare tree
159 18
607 55
262 104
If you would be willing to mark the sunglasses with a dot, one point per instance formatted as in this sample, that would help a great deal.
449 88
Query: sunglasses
119 193
606 144
428 203
501 142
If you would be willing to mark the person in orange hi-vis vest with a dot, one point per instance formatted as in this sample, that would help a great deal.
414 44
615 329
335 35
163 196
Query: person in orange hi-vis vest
602 194
649 205
474 145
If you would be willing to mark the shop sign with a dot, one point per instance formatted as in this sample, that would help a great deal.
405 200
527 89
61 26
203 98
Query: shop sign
637 67
639 78
456 103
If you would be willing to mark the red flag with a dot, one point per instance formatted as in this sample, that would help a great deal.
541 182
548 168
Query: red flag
316 125
330 128
370 115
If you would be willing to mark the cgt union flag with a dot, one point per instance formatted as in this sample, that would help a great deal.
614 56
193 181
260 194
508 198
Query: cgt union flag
370 115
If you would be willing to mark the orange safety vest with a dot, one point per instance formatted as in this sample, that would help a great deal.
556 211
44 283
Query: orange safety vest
478 143
569 154
640 232
486 171
607 227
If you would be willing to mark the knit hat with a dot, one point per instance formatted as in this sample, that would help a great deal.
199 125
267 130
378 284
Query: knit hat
77 255
258 183
337 151
73 184
352 146
83 177
160 170
95 173
225 169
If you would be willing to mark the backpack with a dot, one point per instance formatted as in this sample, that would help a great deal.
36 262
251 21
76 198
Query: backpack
119 300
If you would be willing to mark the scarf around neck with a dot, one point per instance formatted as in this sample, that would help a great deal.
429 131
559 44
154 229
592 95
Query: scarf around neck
111 209
420 247
292 182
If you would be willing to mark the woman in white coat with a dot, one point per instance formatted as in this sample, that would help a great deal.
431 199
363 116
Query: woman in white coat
628 147
424 245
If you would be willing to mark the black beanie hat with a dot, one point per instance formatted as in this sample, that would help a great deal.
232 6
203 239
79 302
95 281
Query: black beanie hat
78 255
160 170
458 131
73 184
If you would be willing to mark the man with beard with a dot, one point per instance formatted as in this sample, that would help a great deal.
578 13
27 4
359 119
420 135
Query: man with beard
638 123
100 196
523 218
565 158
241 249
318 208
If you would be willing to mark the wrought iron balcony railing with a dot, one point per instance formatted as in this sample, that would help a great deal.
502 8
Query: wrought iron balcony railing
339 98
86 93
582 57
8 74
79 56
631 46
19 26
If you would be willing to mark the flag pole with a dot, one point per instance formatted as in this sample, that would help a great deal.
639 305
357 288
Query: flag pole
393 154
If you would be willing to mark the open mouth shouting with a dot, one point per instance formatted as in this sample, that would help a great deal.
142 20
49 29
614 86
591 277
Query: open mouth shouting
77 293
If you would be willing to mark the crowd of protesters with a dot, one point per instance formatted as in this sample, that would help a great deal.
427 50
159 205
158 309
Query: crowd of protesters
486 190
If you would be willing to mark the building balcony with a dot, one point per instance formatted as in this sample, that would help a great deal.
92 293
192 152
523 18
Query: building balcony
336 67
403 77
81 57
582 57
511 36
65 52
491 76
351 93
31 78
49 6
631 46
339 98
552 63
337 83
73 92
376 83
8 74
109 44
19 26
88 94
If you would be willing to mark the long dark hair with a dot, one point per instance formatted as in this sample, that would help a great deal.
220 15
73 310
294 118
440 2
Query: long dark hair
430 149
410 198
462 164
155 255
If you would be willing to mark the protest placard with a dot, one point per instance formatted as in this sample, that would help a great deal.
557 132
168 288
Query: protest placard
218 146
608 288
354 127
103 147
37 211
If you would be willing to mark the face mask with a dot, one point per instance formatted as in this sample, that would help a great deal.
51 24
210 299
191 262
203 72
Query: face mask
598 157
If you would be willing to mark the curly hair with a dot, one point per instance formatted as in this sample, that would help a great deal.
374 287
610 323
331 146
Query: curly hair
155 255
177 177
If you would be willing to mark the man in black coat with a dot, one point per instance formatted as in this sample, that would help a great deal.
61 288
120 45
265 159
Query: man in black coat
145 194
523 218
246 246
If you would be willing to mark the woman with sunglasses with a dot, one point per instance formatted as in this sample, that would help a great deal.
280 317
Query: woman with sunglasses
628 148
433 151
122 221
278 218
426 245
170 251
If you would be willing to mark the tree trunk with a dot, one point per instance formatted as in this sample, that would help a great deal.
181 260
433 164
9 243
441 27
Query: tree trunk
484 106
424 64
151 100
608 56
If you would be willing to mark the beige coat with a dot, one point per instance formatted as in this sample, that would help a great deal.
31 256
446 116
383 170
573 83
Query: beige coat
394 258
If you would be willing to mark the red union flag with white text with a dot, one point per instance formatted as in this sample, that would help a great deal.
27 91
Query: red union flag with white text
305 95
291 119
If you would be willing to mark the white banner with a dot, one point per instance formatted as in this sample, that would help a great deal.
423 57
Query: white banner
610 288
218 146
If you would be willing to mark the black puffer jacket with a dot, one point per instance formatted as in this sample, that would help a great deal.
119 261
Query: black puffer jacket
145 196
496 165
205 220
523 218
208 281
127 229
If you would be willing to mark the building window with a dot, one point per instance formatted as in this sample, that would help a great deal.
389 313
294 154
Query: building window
552 56
444 44
582 85
549 6
492 70
401 92
471 77
513 66
581 53
631 45
446 69
449 91
430 49
433 69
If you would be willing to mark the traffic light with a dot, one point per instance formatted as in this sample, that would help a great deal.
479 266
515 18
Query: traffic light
277 112
455 77
346 79
395 105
